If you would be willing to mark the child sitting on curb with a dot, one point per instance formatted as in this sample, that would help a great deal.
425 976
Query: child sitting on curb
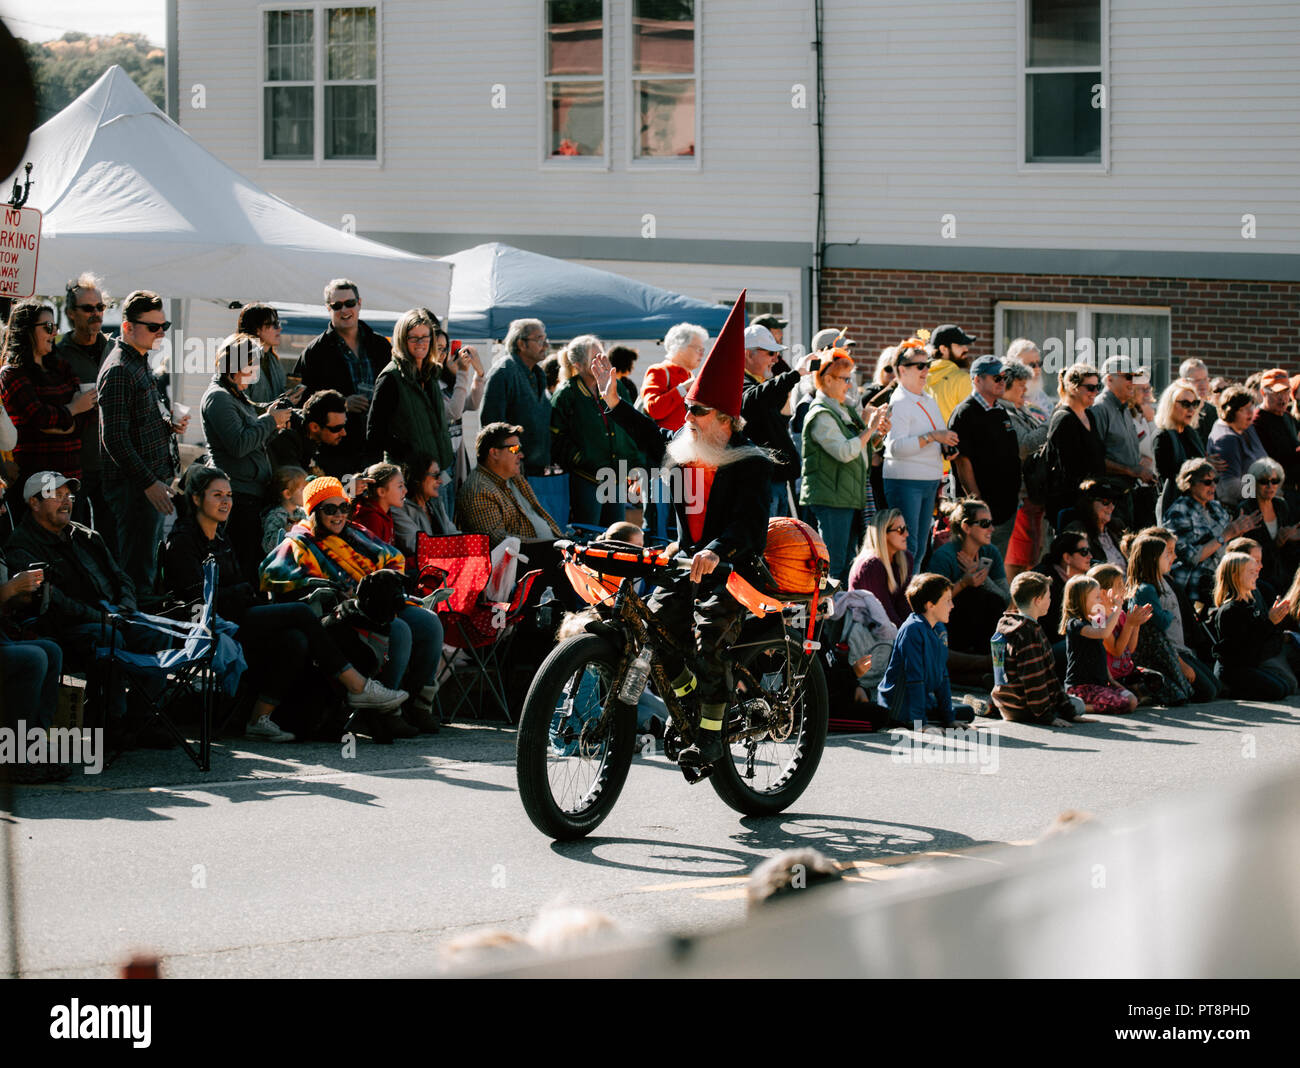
916 689
1027 689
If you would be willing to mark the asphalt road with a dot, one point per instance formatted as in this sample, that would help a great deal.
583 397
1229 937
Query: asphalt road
292 861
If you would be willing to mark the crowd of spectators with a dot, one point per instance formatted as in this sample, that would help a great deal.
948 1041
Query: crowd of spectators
939 485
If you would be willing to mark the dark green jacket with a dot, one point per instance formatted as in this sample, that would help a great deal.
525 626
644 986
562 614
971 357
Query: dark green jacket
827 481
583 440
408 415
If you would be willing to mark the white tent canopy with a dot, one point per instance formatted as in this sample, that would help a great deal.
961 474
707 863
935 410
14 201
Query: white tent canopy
129 195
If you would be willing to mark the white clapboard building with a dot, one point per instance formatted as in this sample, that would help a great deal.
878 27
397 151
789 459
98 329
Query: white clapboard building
1085 170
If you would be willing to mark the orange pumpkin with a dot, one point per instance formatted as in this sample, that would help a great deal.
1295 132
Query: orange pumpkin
795 555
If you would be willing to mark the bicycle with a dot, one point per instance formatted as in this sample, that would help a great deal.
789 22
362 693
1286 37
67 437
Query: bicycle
577 731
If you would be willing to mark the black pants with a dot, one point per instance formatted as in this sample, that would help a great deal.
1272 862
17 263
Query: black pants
244 529
714 624
280 640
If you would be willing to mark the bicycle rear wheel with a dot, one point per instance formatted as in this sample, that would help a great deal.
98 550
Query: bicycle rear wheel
783 730
571 759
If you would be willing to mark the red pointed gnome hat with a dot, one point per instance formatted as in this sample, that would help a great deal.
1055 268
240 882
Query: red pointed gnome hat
722 375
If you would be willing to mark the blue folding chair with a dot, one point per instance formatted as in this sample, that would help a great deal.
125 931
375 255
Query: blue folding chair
198 657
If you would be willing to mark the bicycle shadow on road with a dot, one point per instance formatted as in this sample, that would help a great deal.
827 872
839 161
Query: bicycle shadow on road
848 837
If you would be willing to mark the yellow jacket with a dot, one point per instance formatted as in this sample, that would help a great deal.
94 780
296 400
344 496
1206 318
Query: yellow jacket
949 385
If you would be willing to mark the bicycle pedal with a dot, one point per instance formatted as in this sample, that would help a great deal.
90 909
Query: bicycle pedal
695 775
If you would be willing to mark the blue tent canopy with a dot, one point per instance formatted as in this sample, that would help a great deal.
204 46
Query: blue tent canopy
492 284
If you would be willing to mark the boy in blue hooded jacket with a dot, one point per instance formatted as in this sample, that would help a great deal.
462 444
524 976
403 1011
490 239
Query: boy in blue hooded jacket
916 689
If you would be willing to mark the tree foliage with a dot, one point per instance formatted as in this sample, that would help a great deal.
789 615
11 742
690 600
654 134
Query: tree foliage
66 68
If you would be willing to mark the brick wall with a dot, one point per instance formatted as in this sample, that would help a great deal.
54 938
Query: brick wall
1236 327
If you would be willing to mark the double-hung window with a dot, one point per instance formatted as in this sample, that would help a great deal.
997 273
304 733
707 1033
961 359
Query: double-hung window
1063 84
575 112
664 79
1087 333
320 91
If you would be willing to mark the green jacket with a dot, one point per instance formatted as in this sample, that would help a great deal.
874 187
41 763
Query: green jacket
827 481
408 416
584 438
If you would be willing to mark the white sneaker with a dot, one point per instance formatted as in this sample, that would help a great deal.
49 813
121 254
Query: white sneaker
377 695
264 728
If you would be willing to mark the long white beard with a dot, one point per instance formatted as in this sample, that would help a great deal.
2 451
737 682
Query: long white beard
689 447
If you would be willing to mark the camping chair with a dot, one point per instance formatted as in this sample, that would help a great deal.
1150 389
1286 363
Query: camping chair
480 629
199 656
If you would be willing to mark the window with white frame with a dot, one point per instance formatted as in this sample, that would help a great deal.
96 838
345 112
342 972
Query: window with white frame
320 94
664 79
1087 333
1063 85
575 78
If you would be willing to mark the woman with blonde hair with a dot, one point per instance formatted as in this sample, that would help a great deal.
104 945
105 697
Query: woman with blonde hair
1248 651
407 412
914 446
883 565
586 442
1177 439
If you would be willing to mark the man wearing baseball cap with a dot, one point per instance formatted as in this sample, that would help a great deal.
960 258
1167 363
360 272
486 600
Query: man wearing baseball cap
987 464
1125 465
949 382
1273 424
830 338
775 324
763 400
82 574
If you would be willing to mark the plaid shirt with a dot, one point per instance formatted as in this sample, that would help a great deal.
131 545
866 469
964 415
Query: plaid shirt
135 432
36 401
486 506
1195 527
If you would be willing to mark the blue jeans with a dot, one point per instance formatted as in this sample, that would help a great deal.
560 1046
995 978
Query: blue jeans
835 525
414 648
139 527
914 497
29 671
780 499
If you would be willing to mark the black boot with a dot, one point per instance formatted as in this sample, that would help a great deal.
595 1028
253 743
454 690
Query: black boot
707 748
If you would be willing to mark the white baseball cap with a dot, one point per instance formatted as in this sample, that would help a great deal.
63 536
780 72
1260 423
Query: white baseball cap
760 337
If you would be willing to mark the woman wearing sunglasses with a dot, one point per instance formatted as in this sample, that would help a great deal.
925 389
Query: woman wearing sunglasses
914 447
1203 527
263 322
1074 444
1177 439
42 395
1233 438
328 546
1278 532
972 563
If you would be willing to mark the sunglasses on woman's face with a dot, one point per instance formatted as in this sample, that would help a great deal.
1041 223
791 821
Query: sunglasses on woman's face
1083 550
1091 387
925 364
985 523
329 510
1268 481
1208 481
896 530
1188 404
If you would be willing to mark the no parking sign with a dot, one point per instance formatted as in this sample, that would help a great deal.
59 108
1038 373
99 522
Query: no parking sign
20 243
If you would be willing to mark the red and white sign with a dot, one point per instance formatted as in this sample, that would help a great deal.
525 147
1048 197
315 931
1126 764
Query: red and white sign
20 244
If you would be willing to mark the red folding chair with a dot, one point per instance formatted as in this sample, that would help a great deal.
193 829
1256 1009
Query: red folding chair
482 629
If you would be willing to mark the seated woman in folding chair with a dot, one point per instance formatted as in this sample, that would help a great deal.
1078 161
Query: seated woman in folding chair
327 546
279 640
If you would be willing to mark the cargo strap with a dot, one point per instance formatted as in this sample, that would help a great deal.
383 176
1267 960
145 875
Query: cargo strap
809 646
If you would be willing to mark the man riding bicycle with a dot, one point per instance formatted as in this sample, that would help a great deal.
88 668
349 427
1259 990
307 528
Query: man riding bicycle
724 490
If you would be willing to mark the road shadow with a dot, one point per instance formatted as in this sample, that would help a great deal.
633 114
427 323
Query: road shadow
838 837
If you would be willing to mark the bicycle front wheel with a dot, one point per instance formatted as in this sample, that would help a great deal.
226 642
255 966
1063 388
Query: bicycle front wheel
572 759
